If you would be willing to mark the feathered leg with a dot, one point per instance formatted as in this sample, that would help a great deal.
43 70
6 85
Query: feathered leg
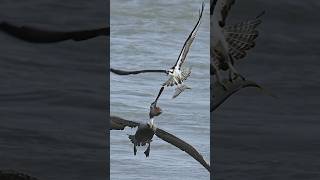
135 149
147 152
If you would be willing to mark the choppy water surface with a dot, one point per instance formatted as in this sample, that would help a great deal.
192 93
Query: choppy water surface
52 96
150 34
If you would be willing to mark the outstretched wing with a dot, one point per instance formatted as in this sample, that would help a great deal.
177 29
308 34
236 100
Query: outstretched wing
122 72
183 146
36 35
117 123
221 10
187 44
241 37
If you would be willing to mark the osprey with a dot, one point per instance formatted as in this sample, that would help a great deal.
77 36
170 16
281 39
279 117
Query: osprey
229 42
177 73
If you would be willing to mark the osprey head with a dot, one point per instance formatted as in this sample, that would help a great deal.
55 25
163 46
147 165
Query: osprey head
170 71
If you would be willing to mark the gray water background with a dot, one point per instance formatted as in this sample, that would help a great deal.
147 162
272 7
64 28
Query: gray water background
149 35
256 136
53 96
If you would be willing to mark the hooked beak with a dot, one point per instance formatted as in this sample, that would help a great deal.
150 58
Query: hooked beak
154 110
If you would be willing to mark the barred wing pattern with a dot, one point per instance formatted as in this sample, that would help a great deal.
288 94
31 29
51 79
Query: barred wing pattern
241 37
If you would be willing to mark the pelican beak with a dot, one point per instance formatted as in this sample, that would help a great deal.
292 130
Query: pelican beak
159 111
153 105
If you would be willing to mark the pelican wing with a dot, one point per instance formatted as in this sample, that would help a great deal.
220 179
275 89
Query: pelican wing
183 146
117 123
36 35
187 44
221 10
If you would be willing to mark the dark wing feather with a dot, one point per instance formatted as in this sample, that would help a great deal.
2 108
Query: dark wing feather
117 123
221 10
183 146
187 44
36 35
122 72
212 5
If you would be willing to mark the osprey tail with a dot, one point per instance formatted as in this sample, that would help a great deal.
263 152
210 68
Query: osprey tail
179 89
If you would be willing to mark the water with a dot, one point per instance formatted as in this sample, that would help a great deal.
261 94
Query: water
256 136
150 34
52 96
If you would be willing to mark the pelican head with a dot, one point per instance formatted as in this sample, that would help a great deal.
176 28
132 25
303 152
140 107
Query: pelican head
154 110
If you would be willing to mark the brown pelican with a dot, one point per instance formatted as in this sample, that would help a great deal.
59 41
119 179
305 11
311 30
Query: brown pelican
37 35
145 133
229 42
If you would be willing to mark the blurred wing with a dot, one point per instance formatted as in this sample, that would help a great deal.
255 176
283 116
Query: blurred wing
169 82
179 89
183 146
188 42
117 123
185 73
36 35
221 10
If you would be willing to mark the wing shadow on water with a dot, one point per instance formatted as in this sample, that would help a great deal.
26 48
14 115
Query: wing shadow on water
38 35
14 175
